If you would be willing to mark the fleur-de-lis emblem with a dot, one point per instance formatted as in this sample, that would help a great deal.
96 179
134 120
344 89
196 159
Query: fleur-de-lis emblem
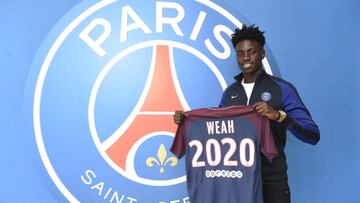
162 160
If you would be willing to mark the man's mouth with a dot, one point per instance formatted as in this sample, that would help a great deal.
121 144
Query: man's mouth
247 65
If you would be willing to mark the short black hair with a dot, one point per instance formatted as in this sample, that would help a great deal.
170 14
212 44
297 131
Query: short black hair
248 32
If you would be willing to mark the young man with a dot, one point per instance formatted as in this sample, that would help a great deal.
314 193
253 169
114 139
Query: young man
273 98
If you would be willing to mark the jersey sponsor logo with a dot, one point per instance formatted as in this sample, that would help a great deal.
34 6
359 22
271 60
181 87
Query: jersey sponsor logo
266 96
110 75
223 174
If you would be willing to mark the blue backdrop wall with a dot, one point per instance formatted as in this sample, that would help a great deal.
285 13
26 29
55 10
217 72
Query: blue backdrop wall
315 45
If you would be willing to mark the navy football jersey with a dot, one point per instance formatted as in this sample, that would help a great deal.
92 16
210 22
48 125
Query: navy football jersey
222 149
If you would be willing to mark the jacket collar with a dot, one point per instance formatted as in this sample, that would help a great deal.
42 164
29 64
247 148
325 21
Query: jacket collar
259 77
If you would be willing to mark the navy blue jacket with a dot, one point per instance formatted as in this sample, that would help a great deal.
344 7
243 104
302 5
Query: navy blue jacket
281 95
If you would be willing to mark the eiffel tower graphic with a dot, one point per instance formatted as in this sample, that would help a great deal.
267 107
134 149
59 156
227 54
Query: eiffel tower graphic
159 100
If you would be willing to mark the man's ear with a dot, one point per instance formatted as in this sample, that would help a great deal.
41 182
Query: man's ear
263 53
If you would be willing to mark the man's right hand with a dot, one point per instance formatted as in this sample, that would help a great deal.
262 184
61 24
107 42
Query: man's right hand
179 117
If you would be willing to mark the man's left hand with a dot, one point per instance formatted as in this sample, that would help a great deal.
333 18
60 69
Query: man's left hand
265 109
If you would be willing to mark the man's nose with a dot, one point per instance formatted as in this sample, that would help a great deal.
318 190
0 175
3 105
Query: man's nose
246 57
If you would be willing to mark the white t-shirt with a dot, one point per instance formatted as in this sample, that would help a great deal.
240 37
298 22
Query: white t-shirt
248 89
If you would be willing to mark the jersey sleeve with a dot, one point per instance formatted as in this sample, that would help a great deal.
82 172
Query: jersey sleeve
178 145
267 142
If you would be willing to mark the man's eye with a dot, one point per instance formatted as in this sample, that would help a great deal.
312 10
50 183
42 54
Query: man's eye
252 52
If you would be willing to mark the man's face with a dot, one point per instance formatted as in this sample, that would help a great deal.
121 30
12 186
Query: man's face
249 54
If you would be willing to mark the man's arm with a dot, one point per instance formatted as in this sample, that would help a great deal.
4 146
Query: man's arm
298 120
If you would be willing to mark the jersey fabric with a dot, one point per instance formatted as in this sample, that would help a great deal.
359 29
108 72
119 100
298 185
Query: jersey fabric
281 95
222 149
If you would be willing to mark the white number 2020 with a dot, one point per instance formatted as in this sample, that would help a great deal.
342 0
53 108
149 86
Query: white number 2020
214 153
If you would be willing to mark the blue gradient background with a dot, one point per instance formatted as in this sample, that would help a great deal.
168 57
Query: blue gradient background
315 45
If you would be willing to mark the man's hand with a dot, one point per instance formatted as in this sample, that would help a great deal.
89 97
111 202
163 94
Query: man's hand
265 109
179 117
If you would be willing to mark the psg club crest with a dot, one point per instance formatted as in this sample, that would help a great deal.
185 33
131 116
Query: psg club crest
266 96
108 79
